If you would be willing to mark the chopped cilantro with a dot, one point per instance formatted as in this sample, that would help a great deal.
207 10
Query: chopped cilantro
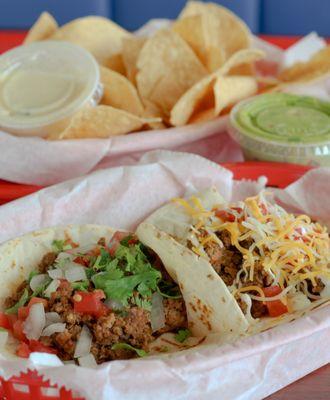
126 240
32 274
21 302
126 346
142 303
102 261
129 272
182 335
89 272
83 285
60 245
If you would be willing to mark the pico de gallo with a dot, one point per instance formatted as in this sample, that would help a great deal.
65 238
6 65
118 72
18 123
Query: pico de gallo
96 303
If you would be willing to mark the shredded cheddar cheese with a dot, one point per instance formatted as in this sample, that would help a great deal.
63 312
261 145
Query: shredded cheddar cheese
292 251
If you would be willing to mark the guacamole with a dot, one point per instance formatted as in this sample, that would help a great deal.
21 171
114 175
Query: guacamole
283 127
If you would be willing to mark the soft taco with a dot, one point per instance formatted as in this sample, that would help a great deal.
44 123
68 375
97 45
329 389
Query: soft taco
89 294
260 265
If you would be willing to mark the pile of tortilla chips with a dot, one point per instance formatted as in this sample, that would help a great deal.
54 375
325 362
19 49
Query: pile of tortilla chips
191 72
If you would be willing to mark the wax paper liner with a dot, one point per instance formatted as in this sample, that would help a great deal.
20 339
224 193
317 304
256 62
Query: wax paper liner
251 368
37 161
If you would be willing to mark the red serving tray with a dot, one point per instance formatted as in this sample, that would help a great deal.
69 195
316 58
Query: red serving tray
278 174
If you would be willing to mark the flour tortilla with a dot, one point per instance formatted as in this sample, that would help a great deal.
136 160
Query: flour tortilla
20 256
170 226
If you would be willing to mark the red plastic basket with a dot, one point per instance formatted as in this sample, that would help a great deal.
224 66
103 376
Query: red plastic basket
35 388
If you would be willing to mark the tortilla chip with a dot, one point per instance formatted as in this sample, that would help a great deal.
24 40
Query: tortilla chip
101 122
119 92
197 32
192 100
130 53
152 111
98 35
223 32
317 67
228 90
44 27
167 68
202 116
197 98
116 63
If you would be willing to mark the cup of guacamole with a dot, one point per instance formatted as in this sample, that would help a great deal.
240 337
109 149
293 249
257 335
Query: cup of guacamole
283 127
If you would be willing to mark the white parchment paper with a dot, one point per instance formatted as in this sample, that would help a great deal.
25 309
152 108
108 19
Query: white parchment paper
121 197
38 161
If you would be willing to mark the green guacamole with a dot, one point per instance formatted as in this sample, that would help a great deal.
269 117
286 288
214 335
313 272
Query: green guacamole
285 118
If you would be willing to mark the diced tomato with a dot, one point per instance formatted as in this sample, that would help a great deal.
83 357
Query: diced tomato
71 243
225 215
35 300
23 313
90 303
82 260
23 350
4 321
12 318
115 241
18 331
35 345
263 209
275 307
238 209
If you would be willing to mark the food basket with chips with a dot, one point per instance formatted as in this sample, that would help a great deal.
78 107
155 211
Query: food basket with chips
170 85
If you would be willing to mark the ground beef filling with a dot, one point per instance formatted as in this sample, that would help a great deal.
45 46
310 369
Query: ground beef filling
132 327
227 262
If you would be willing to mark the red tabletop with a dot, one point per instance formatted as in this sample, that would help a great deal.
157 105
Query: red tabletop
315 386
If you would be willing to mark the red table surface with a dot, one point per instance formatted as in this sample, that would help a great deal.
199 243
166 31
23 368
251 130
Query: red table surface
315 386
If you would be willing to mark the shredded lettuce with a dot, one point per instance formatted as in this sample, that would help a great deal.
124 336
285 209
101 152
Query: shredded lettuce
82 285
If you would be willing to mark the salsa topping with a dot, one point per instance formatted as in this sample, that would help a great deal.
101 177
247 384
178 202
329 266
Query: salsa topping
95 303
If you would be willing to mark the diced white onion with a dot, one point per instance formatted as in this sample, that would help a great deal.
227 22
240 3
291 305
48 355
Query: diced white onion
3 338
56 273
84 343
157 312
74 272
52 318
35 322
53 328
114 304
64 256
81 249
37 281
298 301
87 361
52 287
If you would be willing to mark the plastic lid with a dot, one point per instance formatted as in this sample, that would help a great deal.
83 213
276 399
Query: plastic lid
45 82
284 119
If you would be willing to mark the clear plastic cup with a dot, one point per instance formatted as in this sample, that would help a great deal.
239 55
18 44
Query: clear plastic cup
43 84
283 127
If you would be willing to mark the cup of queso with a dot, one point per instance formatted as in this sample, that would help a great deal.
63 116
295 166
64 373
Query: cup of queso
43 84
